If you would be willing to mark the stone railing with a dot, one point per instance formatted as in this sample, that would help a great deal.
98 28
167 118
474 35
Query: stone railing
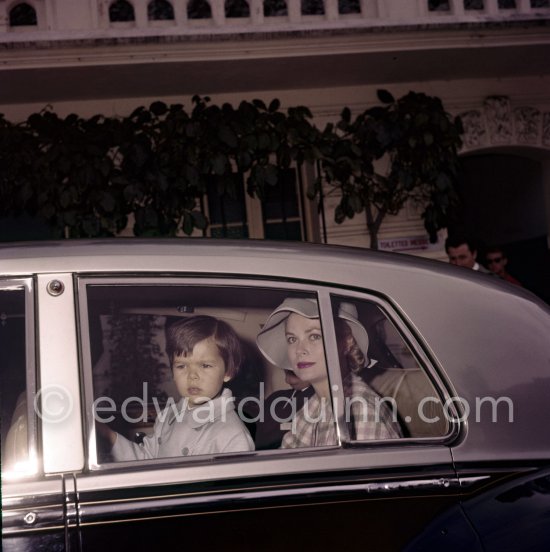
26 20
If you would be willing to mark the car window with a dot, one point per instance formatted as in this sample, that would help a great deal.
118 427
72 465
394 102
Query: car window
136 344
382 379
16 378
159 378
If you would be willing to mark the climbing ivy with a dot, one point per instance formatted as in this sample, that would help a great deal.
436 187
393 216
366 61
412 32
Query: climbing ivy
84 177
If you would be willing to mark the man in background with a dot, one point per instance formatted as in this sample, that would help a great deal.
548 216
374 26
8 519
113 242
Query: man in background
496 261
462 251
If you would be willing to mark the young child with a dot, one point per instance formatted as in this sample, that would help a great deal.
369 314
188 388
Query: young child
204 354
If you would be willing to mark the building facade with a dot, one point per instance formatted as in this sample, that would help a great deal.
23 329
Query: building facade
488 60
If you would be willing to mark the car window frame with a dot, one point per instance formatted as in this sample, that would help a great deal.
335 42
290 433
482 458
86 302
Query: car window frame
421 352
322 291
35 466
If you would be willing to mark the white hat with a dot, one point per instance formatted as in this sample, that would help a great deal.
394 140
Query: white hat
271 339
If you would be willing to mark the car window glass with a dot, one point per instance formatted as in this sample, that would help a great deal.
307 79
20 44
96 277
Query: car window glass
387 393
16 425
138 379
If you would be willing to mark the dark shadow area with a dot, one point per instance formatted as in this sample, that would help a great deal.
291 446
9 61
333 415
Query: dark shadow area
23 228
502 204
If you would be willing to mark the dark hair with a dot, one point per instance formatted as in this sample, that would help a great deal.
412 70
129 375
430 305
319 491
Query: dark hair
183 335
352 359
495 249
458 239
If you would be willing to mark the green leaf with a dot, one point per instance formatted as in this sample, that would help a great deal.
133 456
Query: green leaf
108 203
228 136
384 96
199 220
65 199
192 175
158 108
219 163
356 203
339 215
346 114
105 167
274 105
259 104
421 119
443 182
244 161
376 112
264 141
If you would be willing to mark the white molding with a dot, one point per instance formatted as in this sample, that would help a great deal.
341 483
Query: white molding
498 123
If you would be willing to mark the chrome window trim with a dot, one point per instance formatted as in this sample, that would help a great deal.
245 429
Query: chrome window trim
159 280
309 461
322 292
100 512
27 284
59 374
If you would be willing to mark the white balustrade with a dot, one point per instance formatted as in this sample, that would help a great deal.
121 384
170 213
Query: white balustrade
66 19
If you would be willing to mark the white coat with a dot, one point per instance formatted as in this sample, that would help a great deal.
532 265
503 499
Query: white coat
210 428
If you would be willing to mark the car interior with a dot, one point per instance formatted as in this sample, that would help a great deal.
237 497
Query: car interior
129 364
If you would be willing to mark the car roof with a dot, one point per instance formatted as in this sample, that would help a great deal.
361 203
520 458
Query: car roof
395 275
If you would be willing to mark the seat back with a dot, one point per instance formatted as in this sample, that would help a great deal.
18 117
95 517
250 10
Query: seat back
15 450
408 388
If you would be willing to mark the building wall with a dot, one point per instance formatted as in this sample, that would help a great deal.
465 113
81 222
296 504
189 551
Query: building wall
486 65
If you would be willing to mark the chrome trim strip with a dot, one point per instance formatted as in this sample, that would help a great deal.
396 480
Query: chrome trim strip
106 512
33 518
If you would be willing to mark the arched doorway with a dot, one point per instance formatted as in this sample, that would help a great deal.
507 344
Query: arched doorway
504 195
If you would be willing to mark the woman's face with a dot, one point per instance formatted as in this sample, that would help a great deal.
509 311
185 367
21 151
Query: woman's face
306 351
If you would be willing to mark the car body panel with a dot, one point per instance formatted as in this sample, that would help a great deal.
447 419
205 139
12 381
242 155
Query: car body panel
507 517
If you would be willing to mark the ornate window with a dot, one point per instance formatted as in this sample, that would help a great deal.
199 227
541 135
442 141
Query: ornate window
237 8
199 9
121 11
313 7
280 214
473 4
160 10
349 6
540 3
439 5
273 8
23 15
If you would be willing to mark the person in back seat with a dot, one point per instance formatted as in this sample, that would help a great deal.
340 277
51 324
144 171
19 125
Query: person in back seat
204 353
292 339
279 408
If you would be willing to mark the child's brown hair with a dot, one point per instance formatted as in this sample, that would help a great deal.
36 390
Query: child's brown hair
183 335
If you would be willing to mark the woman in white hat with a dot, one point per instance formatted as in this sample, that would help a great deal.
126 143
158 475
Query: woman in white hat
292 339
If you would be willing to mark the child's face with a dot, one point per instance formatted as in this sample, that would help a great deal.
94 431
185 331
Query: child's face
200 375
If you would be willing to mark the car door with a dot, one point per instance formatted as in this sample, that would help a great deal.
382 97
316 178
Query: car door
37 500
352 493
